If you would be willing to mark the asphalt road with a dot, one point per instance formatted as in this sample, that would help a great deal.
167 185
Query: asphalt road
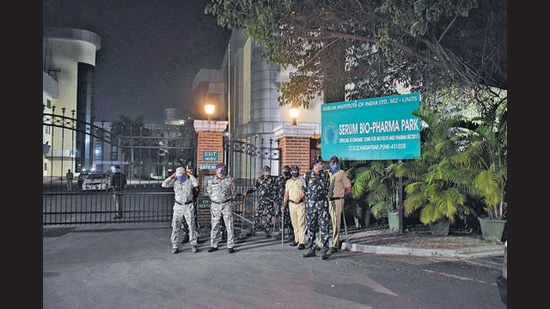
130 266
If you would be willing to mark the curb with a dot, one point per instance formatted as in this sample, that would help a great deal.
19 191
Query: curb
484 251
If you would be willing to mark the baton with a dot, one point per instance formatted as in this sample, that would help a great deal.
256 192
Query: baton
345 224
282 227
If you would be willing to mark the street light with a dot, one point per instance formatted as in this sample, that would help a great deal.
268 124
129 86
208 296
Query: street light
209 109
294 112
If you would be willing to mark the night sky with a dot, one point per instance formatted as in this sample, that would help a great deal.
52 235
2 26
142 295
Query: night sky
150 52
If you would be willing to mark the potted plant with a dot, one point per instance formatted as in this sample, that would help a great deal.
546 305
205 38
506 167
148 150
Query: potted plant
377 184
485 156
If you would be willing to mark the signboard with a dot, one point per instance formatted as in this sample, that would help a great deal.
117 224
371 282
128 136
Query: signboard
207 167
204 203
210 156
380 128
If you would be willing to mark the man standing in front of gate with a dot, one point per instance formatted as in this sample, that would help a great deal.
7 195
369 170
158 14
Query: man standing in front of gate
183 184
340 186
118 183
266 185
286 221
69 176
315 185
220 188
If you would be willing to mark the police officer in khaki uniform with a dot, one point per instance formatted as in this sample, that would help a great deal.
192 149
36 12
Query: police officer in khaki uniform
294 197
340 186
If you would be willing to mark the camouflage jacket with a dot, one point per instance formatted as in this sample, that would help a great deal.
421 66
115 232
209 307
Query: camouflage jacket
183 192
220 190
281 185
266 187
316 186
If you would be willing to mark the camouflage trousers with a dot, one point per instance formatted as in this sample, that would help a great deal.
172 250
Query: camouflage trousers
217 213
181 214
265 212
317 216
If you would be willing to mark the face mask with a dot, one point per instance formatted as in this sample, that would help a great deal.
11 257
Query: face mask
223 172
266 173
320 166
287 174
294 174
334 167
182 178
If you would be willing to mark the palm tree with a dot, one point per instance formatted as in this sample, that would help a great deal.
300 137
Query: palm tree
436 187
485 156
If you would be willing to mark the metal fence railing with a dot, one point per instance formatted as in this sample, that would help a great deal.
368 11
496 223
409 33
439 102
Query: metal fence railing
99 207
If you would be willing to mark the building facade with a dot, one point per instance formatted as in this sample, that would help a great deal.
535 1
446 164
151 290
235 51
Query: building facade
244 91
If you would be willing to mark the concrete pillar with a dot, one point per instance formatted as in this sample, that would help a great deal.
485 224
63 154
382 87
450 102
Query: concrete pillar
295 143
209 153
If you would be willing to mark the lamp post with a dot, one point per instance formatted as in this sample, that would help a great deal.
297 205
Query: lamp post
209 109
294 112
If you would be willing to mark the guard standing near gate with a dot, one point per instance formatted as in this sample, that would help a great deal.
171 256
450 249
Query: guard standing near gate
284 210
340 186
315 185
118 183
183 209
69 176
220 188
266 185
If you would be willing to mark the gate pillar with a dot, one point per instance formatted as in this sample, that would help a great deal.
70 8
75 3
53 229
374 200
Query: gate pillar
298 144
209 153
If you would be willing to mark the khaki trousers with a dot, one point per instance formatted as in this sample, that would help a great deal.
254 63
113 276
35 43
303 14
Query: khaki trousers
298 219
335 209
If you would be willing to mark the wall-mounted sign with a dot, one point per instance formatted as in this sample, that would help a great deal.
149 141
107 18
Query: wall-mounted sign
207 167
204 203
210 156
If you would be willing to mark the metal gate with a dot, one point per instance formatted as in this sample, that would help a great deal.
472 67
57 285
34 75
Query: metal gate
245 161
147 156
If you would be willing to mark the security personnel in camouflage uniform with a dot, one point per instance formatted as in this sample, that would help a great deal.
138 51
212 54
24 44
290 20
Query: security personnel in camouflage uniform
185 227
281 185
315 185
183 184
266 185
220 188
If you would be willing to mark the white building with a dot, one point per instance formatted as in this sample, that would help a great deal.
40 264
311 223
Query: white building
69 57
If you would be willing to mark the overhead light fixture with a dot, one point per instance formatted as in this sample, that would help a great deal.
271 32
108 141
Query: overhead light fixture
209 109
294 113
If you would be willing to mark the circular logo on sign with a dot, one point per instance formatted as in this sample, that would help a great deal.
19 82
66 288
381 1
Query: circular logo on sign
330 134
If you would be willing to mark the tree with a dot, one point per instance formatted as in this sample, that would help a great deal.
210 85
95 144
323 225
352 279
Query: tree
485 155
424 44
